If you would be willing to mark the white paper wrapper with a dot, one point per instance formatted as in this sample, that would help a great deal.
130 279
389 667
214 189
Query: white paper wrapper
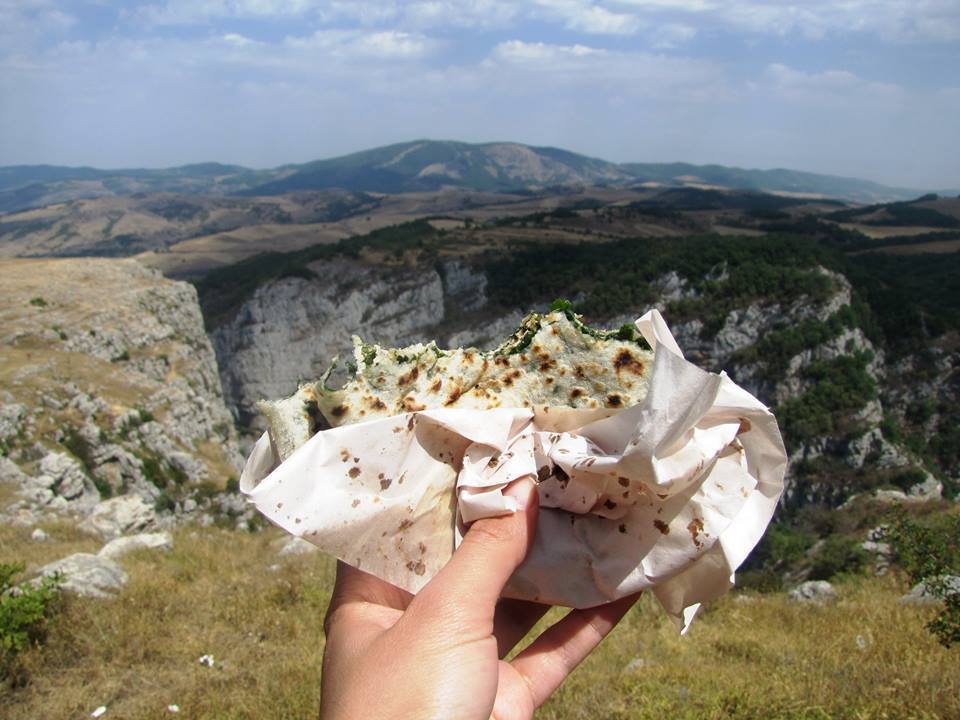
669 495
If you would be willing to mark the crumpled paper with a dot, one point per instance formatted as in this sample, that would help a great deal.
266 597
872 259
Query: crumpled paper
670 495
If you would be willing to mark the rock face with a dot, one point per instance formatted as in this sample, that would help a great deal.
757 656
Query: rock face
111 387
87 575
291 328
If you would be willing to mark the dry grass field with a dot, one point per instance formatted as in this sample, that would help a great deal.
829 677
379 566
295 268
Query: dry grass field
228 594
934 246
882 232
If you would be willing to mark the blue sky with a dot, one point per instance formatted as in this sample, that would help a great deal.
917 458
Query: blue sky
851 87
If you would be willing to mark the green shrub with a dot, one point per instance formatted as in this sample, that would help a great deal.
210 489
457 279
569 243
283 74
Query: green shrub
164 502
929 552
25 611
153 471
838 554
205 490
103 487
780 547
906 479
77 445
840 387
38 302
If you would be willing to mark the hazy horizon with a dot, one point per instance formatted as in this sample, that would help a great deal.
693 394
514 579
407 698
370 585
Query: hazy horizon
867 90
202 161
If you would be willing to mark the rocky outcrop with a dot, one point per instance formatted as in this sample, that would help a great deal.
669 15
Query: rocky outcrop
113 388
121 516
86 575
61 485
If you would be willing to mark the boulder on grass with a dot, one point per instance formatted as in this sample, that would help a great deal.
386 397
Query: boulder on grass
87 575
118 547
813 592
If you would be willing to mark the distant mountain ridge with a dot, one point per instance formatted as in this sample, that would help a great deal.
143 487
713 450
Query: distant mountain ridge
419 165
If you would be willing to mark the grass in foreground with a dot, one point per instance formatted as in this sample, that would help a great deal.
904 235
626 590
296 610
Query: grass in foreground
865 657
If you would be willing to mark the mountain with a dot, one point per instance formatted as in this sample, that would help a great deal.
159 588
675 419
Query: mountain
430 165
417 166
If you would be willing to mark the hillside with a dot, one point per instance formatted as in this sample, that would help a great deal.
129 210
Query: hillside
30 186
123 226
188 235
771 181
110 388
418 166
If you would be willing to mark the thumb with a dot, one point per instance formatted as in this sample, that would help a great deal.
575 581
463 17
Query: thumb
491 550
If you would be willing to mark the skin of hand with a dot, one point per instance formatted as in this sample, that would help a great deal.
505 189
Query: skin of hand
438 654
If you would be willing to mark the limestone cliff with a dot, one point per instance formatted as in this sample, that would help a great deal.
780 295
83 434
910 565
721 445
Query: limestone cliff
292 327
109 386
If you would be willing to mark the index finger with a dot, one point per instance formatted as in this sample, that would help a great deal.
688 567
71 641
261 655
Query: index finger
355 585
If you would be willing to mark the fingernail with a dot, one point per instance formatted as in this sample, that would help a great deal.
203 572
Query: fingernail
522 491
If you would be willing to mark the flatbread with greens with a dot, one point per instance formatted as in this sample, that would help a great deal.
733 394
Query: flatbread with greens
552 360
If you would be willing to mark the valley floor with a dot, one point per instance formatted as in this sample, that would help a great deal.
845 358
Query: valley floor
228 594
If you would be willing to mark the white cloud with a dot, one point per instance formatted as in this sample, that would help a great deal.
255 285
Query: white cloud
891 20
392 44
236 39
365 12
517 51
480 14
421 14
354 45
198 12
583 70
894 20
588 17
829 86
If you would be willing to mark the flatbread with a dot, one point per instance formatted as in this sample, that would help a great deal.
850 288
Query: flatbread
668 494
552 360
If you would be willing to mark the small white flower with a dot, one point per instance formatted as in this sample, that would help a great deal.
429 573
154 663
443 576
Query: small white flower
862 642
99 711
173 708
206 660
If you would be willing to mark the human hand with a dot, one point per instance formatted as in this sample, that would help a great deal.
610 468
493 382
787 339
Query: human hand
438 654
